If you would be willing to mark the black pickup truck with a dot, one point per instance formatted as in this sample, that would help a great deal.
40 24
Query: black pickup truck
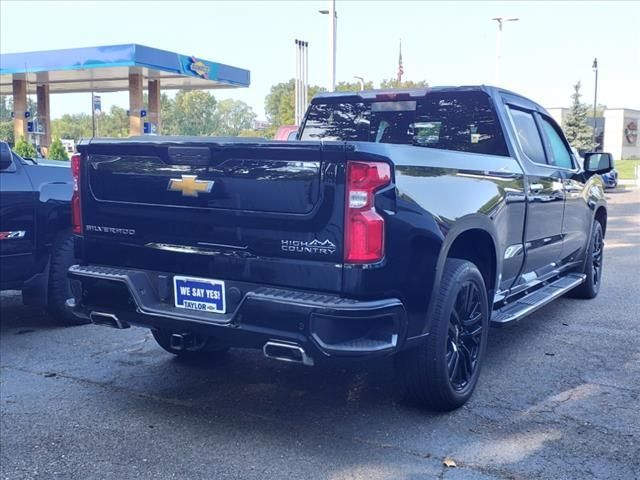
402 222
36 243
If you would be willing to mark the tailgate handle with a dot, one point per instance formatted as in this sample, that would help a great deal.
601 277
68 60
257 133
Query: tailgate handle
189 155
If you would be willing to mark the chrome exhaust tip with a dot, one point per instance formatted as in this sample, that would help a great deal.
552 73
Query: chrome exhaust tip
177 341
107 320
286 352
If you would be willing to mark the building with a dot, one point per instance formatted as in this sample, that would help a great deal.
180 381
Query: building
616 131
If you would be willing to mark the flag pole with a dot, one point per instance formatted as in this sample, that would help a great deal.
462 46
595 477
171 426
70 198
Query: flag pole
400 68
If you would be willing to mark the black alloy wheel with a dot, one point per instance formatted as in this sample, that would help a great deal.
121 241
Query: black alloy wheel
465 336
593 265
597 256
442 372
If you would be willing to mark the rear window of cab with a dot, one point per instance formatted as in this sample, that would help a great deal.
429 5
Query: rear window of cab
460 121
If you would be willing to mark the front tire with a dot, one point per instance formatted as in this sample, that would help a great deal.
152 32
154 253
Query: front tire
199 349
593 265
442 373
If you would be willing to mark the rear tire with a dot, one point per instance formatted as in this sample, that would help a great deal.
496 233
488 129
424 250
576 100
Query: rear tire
441 373
593 265
203 348
59 290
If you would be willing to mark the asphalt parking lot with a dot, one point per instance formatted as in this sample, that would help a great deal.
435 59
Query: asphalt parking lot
559 397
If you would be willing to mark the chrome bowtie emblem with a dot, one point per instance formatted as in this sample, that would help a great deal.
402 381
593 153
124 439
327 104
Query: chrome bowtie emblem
189 185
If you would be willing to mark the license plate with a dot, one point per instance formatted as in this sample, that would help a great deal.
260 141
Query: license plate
201 294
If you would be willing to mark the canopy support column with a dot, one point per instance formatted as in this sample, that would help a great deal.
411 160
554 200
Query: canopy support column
19 109
135 104
44 116
154 104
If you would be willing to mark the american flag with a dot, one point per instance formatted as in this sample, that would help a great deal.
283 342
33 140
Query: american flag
400 69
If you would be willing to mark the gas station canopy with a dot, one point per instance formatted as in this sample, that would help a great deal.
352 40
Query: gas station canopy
133 68
107 69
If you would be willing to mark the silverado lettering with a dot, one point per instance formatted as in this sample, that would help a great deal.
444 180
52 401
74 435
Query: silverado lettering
118 230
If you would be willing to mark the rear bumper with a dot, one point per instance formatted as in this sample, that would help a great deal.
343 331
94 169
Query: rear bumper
323 325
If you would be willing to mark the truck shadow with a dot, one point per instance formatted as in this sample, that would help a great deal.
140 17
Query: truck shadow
18 318
355 406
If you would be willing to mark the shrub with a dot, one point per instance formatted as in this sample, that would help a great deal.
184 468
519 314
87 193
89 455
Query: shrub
25 149
57 151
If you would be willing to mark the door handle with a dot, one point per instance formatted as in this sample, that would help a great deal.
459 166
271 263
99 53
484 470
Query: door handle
536 187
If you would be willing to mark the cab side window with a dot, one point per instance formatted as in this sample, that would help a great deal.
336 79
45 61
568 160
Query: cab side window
528 135
560 151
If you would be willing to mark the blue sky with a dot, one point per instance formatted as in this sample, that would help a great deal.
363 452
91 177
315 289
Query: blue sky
446 43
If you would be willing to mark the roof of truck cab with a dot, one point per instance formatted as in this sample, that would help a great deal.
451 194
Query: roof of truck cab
391 94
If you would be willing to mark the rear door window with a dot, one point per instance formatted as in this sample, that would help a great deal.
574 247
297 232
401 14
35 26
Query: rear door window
528 135
462 121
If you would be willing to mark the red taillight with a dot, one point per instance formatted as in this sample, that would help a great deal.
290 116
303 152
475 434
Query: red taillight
76 208
364 228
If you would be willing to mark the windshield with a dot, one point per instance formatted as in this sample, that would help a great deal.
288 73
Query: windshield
462 121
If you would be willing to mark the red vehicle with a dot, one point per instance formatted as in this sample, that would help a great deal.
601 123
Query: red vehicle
286 132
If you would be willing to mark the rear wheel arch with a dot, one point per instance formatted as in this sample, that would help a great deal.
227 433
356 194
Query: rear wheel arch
478 247
469 238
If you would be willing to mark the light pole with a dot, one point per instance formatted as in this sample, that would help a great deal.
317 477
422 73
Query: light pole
595 99
500 21
333 30
93 114
360 81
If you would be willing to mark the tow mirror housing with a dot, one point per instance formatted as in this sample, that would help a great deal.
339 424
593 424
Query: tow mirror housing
598 162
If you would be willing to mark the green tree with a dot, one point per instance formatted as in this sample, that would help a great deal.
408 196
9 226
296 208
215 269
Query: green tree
57 151
6 106
232 117
167 115
113 124
192 113
393 83
72 126
353 86
256 133
25 149
578 133
279 105
6 122
6 132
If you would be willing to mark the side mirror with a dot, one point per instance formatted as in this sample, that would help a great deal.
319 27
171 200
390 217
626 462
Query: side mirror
5 156
598 162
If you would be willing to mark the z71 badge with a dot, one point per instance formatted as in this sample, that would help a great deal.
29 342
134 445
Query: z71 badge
326 247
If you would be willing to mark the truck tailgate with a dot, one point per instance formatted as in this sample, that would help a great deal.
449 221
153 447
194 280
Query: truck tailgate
269 213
